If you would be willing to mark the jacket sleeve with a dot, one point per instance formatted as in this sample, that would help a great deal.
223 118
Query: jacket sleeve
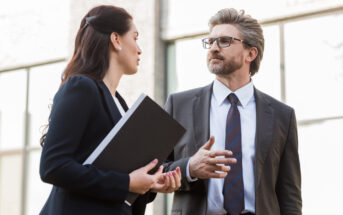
171 163
288 186
71 112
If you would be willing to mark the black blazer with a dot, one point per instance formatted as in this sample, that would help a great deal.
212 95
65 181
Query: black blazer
83 113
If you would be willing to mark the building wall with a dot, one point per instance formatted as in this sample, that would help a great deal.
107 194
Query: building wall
35 45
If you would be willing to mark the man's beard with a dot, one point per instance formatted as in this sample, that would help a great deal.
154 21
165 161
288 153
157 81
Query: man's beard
224 68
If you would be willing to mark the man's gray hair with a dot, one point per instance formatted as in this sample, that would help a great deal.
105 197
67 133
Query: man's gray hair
250 30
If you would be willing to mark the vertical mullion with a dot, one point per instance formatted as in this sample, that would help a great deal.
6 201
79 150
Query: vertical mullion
282 63
26 145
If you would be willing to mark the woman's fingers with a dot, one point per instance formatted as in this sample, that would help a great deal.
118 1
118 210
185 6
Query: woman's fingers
177 180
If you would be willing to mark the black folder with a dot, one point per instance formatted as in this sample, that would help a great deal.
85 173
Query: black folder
144 133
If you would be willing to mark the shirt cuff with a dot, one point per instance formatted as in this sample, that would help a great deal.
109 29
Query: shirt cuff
188 175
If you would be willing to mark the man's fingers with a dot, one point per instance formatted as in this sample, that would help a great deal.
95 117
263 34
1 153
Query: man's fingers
217 175
220 153
150 165
208 145
214 161
221 168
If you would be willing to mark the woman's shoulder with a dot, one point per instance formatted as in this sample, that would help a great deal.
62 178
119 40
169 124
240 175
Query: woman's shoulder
80 86
81 80
80 83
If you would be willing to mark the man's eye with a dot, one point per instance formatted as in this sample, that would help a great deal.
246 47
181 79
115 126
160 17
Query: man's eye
210 41
224 40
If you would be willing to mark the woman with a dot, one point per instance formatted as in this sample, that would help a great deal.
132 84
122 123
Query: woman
85 109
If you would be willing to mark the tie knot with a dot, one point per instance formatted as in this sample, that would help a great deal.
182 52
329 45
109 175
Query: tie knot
233 98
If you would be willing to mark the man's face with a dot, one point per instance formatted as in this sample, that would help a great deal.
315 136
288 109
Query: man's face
224 61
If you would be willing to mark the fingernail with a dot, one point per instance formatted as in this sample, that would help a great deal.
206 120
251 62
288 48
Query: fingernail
174 173
155 160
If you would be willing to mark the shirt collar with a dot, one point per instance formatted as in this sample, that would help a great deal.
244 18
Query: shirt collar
244 94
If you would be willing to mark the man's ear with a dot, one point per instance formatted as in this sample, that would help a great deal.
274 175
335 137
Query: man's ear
253 52
115 41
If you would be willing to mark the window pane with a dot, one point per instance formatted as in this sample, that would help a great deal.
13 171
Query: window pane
190 65
314 66
10 184
268 77
44 82
37 191
12 109
320 150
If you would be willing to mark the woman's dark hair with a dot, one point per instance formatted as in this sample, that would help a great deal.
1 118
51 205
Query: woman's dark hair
92 44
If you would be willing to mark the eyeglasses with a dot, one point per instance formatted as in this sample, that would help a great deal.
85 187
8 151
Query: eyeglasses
222 42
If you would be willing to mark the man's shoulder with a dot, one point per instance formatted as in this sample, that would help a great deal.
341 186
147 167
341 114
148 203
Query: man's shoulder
272 101
192 93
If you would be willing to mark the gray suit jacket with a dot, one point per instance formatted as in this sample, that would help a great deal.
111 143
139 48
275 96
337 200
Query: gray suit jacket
277 168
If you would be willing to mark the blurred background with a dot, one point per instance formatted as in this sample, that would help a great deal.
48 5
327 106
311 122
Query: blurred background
302 67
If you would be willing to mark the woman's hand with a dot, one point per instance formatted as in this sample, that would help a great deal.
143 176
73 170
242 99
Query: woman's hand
168 182
141 182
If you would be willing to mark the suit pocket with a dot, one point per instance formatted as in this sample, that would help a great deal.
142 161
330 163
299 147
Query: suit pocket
176 212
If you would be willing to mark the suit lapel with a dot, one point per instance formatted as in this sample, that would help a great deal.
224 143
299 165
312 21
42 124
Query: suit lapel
201 119
109 103
264 131
201 116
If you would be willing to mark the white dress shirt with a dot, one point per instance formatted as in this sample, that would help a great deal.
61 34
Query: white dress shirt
218 114
120 108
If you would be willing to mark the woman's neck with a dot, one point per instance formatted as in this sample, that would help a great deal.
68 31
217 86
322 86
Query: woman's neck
112 77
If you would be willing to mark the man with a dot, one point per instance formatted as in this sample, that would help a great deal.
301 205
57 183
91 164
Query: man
240 152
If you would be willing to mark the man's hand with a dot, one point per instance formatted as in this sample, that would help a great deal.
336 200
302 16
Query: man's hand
204 163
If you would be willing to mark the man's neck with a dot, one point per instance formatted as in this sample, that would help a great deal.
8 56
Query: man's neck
234 81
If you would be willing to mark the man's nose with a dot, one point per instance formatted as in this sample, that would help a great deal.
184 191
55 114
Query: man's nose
214 46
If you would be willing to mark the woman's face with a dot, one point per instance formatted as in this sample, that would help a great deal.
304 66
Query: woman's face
130 50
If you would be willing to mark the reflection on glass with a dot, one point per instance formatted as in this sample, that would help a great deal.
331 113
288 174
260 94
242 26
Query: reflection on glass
268 77
37 191
172 84
314 66
320 151
10 184
191 68
170 197
12 109
44 82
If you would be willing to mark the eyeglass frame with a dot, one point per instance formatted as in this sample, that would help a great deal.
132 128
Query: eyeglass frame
216 39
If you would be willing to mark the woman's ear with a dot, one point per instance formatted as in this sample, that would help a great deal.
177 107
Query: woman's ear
115 41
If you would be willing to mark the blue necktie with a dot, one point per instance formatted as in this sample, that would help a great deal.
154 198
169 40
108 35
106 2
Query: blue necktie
233 189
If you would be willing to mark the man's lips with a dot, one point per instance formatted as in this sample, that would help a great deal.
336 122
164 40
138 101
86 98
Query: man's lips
216 57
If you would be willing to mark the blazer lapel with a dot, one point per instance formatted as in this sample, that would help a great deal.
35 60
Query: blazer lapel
201 119
122 101
264 131
109 103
